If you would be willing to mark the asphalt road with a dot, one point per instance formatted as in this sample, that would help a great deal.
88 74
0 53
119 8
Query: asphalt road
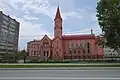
61 74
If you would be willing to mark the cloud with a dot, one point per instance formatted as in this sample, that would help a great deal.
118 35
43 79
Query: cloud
45 7
25 12
72 14
29 31
38 7
41 7
28 17
96 30
88 14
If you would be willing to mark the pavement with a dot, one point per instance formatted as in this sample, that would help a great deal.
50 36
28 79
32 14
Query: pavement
89 73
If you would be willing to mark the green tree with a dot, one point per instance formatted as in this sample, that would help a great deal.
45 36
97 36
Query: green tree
14 56
22 55
108 13
8 58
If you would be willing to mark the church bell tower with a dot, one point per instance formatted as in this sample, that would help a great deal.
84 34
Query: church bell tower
58 24
57 41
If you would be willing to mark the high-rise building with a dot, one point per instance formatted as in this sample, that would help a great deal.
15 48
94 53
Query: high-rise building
9 34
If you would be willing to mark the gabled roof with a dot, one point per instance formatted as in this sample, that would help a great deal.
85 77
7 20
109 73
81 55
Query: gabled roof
76 37
58 15
45 37
56 38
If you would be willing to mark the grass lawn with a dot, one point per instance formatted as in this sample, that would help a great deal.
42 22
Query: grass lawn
47 65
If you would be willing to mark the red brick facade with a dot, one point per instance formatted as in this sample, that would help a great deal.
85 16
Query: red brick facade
65 46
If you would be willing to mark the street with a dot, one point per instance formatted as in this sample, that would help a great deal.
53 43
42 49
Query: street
61 74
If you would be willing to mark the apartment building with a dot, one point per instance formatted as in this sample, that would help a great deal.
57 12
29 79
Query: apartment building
9 34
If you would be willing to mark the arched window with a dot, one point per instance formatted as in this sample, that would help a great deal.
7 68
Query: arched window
83 44
88 47
70 51
34 53
79 46
47 53
70 47
74 48
45 43
79 52
44 53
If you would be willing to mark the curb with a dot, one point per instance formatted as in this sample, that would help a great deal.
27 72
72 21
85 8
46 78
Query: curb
75 68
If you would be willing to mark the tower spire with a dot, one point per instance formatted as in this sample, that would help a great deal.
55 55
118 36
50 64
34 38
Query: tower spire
58 15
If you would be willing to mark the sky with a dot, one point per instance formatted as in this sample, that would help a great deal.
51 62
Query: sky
36 17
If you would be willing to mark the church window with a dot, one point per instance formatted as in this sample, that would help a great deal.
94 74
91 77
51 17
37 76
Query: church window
52 45
45 43
34 45
34 53
79 52
83 45
37 45
78 45
44 53
88 47
70 46
47 53
74 48
70 51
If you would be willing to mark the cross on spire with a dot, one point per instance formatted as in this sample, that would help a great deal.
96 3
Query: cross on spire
58 3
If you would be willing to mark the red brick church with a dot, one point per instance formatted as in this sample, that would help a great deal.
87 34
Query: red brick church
63 47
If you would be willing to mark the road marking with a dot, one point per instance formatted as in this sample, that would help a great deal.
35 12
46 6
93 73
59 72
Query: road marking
60 78
52 70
